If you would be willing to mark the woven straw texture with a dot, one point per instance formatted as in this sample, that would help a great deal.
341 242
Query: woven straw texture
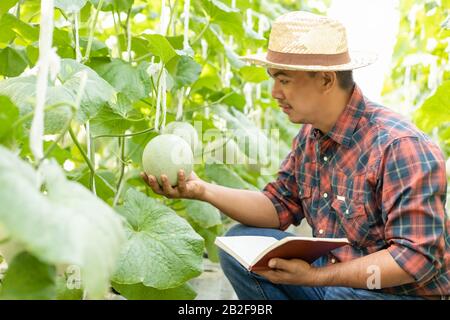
303 33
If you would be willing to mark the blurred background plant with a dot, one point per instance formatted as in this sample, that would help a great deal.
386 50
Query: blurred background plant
148 63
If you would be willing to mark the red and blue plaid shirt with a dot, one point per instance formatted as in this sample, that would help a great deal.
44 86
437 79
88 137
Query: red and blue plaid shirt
376 180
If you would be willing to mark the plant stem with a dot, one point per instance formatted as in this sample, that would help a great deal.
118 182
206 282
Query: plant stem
124 135
172 12
145 56
122 170
90 154
200 35
83 153
92 30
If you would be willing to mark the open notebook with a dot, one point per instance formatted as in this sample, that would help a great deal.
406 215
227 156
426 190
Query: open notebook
254 252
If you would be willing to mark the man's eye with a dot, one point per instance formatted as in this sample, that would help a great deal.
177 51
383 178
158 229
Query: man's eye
284 81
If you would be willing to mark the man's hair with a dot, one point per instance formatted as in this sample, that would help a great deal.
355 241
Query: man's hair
345 78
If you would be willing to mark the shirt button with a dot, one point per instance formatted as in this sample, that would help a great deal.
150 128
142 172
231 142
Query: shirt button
333 260
347 212
325 195
325 159
321 231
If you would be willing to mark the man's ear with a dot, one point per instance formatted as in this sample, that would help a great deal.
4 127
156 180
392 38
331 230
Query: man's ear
328 80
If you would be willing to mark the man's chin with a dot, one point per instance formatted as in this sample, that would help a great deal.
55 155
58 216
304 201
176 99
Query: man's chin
297 120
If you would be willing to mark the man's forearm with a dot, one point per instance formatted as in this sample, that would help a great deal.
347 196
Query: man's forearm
363 272
252 208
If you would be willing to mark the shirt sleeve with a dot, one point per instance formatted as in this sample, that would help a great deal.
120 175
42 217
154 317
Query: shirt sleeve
283 192
413 194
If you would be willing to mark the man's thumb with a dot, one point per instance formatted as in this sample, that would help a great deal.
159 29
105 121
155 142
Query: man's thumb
277 263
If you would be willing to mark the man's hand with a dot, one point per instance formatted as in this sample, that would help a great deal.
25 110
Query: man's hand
293 271
193 188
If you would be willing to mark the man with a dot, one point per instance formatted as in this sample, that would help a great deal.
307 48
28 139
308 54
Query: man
356 170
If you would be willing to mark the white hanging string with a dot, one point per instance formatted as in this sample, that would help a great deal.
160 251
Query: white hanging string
45 47
129 38
262 24
204 44
187 4
249 22
180 104
163 85
158 104
248 90
164 19
77 37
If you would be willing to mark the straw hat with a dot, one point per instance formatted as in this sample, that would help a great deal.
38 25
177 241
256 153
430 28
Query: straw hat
302 40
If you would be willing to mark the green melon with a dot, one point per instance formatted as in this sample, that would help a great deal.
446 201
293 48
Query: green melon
167 154
183 130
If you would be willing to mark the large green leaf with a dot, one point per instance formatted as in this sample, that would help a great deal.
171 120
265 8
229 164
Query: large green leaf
104 182
110 5
435 110
6 24
160 47
187 72
140 292
8 114
11 25
123 77
162 251
97 93
70 6
224 176
5 5
22 92
65 225
253 74
108 122
210 234
12 62
28 278
203 213
229 19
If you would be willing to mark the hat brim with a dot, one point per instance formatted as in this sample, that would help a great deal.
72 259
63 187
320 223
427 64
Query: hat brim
358 59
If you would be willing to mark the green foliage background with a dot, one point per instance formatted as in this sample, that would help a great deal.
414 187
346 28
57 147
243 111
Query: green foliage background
119 234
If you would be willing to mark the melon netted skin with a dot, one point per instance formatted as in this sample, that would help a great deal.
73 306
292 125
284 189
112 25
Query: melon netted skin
166 154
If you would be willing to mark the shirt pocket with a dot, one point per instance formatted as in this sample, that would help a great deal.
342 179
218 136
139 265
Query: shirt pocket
353 222
350 187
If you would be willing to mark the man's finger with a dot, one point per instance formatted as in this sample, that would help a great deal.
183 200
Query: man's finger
181 181
153 183
167 188
144 177
280 264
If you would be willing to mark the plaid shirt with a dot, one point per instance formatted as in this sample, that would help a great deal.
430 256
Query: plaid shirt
376 180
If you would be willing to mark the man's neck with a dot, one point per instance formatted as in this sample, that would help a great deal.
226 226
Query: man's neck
334 107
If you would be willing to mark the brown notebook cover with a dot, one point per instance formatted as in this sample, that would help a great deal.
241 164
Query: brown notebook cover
298 249
254 252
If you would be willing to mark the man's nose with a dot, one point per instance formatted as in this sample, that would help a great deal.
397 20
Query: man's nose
277 93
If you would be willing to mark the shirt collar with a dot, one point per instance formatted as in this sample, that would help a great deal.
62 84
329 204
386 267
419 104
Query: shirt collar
347 121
